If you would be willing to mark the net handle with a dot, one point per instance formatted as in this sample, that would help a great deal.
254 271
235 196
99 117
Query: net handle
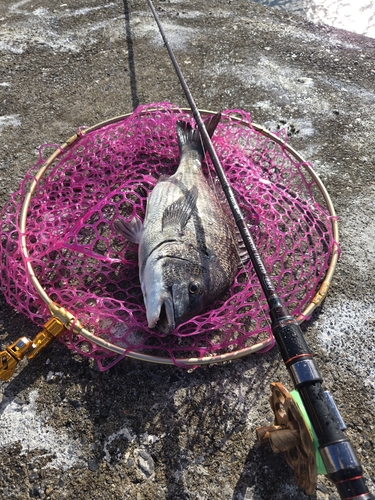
71 323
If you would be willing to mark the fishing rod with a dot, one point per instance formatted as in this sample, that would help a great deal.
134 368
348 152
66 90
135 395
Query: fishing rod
338 455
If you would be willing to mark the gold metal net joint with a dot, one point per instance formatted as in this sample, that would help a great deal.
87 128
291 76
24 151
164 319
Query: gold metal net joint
51 330
14 353
69 321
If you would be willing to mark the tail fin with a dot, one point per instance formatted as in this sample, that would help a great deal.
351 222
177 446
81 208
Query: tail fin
187 136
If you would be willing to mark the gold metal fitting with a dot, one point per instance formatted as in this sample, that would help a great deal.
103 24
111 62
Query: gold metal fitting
69 321
51 330
13 354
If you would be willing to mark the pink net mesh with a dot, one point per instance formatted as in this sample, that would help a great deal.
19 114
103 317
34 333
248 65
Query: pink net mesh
86 267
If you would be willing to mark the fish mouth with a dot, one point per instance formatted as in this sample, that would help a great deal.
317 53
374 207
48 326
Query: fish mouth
163 316
166 322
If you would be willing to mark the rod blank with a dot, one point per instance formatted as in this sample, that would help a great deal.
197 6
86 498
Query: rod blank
336 450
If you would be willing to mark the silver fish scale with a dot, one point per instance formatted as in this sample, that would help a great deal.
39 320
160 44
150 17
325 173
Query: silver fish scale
206 247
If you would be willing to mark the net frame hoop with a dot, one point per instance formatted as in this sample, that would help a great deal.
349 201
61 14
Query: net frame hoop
194 361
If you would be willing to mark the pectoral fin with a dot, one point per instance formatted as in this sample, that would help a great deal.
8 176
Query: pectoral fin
178 213
132 230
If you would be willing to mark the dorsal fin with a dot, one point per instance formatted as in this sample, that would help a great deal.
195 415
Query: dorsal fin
189 136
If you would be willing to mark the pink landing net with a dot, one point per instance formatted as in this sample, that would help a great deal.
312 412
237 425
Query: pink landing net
86 267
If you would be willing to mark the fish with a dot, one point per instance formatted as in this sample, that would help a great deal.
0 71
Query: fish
188 247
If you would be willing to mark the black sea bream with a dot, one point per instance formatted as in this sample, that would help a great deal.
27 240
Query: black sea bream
188 250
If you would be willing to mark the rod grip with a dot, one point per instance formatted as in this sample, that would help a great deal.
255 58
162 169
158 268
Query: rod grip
289 337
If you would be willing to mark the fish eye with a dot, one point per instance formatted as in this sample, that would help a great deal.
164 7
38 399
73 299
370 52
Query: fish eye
194 288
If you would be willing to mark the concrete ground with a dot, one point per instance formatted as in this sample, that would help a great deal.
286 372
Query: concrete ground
142 431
